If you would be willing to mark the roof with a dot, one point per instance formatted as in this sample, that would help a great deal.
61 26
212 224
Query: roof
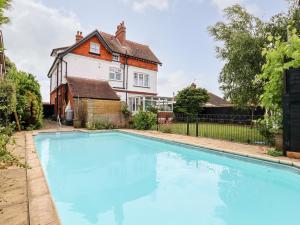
58 50
130 48
216 101
88 88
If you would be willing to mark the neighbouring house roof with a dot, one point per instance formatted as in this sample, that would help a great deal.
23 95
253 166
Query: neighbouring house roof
88 88
216 101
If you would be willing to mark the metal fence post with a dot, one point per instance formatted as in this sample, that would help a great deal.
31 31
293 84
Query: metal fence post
157 128
197 126
187 126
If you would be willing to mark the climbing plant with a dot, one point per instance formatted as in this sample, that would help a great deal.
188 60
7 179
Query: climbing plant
280 56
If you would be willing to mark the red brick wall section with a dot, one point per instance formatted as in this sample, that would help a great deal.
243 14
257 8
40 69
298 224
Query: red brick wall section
84 49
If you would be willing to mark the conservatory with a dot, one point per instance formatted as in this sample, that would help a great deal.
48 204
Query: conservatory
144 103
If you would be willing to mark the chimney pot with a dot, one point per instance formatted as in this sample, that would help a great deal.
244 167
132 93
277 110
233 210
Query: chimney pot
78 36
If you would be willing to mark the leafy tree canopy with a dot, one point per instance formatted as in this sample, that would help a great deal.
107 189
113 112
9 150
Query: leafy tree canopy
243 38
4 5
190 100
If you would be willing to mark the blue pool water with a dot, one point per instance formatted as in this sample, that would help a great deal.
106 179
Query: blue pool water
114 178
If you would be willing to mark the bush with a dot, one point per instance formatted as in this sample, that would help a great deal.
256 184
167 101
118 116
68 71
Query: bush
6 158
166 129
274 152
265 130
144 120
100 125
7 101
125 111
28 97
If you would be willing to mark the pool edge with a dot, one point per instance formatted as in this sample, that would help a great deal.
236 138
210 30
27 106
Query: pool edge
42 208
291 164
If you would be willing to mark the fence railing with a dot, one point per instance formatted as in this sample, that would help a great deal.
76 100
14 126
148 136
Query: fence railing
237 128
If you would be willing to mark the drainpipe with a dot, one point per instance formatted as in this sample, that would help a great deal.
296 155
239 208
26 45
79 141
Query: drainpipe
56 91
126 66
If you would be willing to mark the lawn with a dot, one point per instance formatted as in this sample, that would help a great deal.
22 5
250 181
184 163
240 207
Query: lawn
231 132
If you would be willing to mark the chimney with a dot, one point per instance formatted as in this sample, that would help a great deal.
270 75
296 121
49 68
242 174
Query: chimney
121 33
78 36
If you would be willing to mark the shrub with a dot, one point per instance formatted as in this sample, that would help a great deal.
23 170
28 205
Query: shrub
28 98
100 125
265 129
152 109
275 152
166 129
125 111
7 101
144 120
6 158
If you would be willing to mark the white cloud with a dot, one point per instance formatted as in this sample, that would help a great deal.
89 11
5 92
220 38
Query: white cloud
142 5
34 31
222 4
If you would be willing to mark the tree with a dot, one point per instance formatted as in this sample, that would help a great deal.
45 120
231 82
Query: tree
243 39
190 100
4 5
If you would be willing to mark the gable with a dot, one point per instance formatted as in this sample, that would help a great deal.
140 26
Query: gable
84 49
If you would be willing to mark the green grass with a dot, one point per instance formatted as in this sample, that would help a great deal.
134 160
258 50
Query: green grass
231 132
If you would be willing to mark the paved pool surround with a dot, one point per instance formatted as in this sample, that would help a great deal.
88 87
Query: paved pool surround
41 208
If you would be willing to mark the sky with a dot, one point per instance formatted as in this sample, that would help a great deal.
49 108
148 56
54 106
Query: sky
176 31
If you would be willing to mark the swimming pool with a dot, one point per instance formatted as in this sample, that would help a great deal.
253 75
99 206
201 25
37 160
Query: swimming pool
113 178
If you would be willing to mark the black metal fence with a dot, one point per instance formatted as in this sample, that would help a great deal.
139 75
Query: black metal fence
237 128
291 110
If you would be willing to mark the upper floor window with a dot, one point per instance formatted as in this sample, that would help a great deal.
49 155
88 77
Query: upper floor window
94 48
116 57
141 80
115 73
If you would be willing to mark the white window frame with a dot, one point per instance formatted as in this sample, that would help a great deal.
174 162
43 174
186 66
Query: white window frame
116 57
139 80
95 48
115 71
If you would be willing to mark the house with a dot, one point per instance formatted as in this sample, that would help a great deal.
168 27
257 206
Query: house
216 101
104 69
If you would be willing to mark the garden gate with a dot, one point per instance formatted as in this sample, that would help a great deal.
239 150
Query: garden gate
291 112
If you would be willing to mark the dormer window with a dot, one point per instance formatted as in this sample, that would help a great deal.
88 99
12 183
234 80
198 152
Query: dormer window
95 48
116 57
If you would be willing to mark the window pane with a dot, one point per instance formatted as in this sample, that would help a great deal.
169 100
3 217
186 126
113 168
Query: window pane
111 76
140 79
146 80
118 76
135 79
94 48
